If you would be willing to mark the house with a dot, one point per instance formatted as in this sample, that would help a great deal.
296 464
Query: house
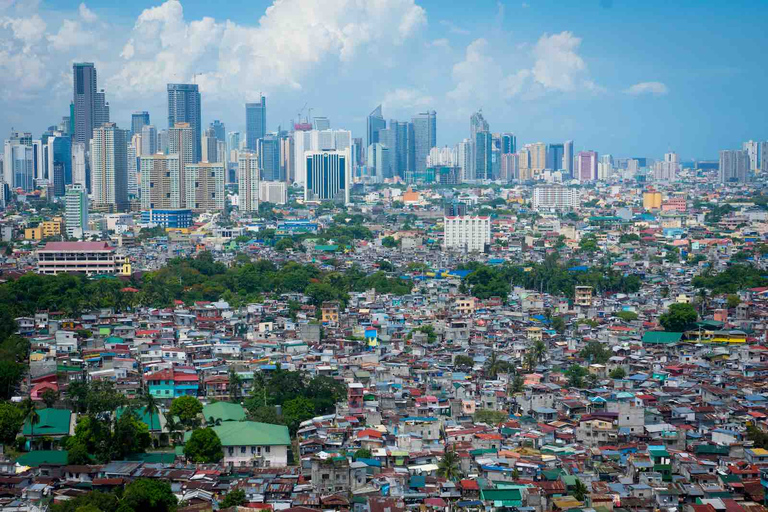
53 423
249 443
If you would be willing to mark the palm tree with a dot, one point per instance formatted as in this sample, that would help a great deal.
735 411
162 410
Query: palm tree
235 382
529 361
492 366
172 427
150 407
30 412
580 491
540 350
213 422
448 467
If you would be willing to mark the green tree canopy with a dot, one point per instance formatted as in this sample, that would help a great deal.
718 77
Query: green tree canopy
203 446
678 317
186 408
150 495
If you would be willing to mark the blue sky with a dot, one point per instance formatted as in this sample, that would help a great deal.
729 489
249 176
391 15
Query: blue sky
622 77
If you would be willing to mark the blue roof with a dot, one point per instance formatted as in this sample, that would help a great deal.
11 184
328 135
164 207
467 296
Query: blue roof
460 273
579 268
370 462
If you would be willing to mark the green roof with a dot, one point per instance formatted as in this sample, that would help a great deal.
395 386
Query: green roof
250 433
152 457
507 496
661 337
224 411
40 457
53 422
711 449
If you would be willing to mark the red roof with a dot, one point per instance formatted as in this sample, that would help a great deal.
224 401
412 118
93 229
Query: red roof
76 246
369 432
469 485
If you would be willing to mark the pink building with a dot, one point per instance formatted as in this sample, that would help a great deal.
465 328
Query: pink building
586 165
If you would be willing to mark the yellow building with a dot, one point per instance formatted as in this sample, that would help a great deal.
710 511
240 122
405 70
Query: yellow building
45 229
535 333
583 296
330 312
651 200
465 305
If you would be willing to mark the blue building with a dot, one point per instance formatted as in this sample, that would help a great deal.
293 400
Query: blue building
168 218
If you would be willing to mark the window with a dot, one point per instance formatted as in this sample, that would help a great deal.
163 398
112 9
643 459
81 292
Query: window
242 449
266 449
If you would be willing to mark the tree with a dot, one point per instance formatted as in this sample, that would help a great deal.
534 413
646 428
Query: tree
235 383
389 242
11 374
448 467
580 491
92 436
77 455
204 446
678 317
150 495
297 410
50 397
733 301
626 316
11 420
30 413
265 414
234 498
575 375
558 324
131 435
490 416
101 501
618 373
151 408
540 350
518 384
362 453
284 244
464 362
186 408
529 360
494 366
595 352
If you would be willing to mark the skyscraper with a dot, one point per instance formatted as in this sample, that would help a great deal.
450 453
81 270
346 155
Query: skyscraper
734 166
508 143
568 158
133 169
181 141
425 138
255 122
19 161
321 123
209 146
100 110
764 156
138 121
328 176
184 107
375 123
269 157
160 182
378 162
248 182
477 123
76 213
219 130
483 163
79 166
753 151
109 168
148 140
555 154
59 150
586 166
205 181
84 100
317 140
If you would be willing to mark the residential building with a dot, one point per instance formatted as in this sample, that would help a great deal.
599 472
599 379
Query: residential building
160 182
170 218
109 168
76 210
555 197
734 166
19 162
205 186
274 192
753 153
467 233
568 158
248 182
148 140
269 158
252 444
586 166
483 164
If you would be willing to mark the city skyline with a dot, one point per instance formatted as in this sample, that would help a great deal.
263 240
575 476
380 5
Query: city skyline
543 78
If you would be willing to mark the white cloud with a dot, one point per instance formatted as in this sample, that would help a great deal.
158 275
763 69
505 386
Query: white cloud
26 30
440 43
477 77
86 14
558 66
453 28
653 88
407 99
291 39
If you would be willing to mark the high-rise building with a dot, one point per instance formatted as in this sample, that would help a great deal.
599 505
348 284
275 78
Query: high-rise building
555 197
274 192
667 169
184 107
586 165
375 122
19 161
100 110
509 168
555 153
76 210
317 140
463 156
538 153
148 140
181 141
248 181
734 166
162 141
269 157
109 168
160 189
205 186
79 166
233 146
483 162
329 176
287 162
568 158
477 123
508 143
138 121
379 162
424 137
59 149
133 170
84 100
219 130
466 233
209 146
753 151
764 156
321 123
255 122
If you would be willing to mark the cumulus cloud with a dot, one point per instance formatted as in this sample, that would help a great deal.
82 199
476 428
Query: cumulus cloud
555 66
291 38
86 14
28 30
407 99
652 88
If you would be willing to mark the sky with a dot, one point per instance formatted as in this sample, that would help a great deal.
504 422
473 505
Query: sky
623 77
